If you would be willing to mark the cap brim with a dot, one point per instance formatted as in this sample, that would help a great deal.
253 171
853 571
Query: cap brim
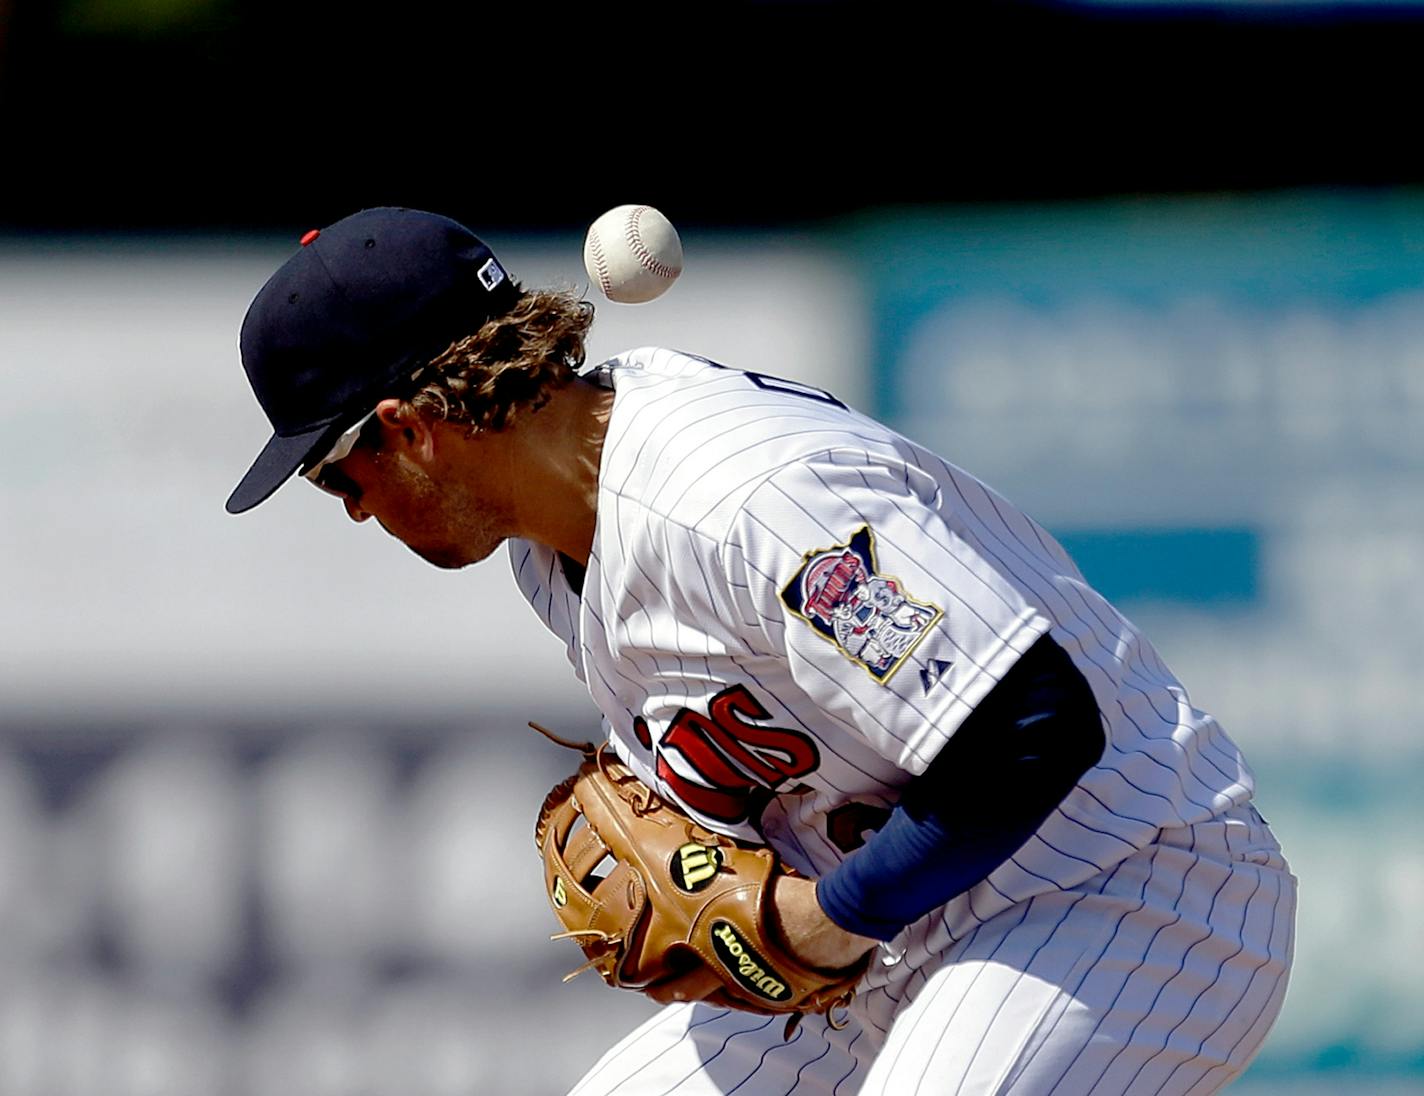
279 458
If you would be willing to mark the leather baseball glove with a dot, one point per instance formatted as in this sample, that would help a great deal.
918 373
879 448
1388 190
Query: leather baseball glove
662 905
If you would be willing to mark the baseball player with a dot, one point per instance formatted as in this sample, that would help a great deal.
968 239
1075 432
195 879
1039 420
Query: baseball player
805 630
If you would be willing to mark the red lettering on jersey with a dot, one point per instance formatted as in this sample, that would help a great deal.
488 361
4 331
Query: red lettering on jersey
712 802
693 735
738 763
770 754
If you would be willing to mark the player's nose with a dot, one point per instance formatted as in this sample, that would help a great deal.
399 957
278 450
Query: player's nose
353 510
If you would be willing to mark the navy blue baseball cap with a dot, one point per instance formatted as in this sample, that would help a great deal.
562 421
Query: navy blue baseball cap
347 320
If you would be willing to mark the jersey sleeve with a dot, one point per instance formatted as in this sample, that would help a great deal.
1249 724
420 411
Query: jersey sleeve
889 620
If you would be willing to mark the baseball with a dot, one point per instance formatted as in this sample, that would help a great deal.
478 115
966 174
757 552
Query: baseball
632 253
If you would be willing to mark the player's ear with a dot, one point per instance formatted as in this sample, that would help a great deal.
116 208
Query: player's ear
405 427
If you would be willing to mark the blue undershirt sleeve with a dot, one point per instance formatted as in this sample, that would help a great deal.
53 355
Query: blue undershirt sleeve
1011 762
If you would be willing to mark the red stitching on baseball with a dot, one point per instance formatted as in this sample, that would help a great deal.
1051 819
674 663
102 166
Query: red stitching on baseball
635 241
601 268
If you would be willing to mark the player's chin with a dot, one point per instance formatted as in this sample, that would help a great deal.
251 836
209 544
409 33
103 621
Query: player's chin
453 557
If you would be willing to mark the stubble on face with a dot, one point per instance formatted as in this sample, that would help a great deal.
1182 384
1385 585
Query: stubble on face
447 524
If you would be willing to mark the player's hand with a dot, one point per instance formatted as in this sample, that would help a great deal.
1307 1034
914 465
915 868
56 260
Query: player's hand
806 930
686 914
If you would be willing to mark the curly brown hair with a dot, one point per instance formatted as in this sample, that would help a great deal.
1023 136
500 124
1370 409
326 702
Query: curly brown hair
510 365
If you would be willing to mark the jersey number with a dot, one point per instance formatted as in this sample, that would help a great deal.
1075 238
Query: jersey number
777 384
738 763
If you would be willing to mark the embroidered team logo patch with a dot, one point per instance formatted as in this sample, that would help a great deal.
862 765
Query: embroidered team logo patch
870 617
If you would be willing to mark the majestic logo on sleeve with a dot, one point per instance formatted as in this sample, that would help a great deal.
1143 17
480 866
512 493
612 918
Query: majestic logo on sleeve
871 617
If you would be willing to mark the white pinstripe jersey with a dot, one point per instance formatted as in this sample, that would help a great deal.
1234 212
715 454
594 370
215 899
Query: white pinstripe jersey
789 608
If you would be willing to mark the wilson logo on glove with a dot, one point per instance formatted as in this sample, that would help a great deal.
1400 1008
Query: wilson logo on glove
639 885
694 866
745 964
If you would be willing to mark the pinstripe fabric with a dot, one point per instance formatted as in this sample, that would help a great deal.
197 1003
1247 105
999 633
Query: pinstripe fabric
716 490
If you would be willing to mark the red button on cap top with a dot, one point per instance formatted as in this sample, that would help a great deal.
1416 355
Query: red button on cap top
310 236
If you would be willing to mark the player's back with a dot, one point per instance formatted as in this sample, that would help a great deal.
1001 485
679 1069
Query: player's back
695 441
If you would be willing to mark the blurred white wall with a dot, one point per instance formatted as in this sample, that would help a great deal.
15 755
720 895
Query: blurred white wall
127 420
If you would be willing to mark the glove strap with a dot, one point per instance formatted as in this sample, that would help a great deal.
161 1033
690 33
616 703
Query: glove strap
588 749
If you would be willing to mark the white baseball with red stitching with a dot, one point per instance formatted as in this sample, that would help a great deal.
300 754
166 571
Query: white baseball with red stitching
632 253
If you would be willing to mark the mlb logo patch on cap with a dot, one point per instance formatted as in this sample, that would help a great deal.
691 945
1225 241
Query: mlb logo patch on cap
491 274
